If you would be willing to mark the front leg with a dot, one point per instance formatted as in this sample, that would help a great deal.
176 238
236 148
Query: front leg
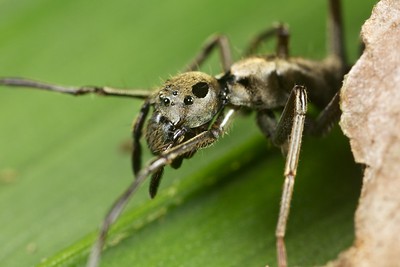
167 157
136 154
72 90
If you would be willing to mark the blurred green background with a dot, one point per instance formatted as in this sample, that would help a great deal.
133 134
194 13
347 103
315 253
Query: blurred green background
61 162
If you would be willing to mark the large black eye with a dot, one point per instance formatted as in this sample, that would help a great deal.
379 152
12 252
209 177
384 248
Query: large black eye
200 89
244 81
188 100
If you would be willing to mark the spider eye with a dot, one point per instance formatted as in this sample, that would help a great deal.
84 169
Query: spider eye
188 100
200 89
165 100
244 81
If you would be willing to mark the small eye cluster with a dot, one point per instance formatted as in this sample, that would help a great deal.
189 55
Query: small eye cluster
199 90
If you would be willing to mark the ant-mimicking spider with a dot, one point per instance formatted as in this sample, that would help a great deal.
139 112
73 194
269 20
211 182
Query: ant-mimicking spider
193 109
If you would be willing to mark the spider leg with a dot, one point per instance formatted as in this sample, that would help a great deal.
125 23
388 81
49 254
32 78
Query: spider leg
287 134
83 90
136 157
331 113
214 41
176 163
335 32
155 182
326 119
167 157
280 31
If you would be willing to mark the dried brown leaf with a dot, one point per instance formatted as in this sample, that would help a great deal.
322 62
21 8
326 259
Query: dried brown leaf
370 101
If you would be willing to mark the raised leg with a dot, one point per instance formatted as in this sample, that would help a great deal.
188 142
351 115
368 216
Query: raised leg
105 91
214 41
335 32
199 141
331 113
279 31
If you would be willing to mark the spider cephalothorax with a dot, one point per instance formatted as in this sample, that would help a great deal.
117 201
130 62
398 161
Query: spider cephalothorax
189 99
184 105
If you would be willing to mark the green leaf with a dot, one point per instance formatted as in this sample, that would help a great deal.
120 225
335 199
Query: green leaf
61 162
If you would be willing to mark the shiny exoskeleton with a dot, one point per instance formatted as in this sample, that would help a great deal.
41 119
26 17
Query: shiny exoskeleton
192 110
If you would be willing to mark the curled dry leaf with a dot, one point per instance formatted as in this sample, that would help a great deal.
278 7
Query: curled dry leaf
370 101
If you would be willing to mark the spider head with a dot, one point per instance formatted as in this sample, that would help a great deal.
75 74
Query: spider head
189 99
